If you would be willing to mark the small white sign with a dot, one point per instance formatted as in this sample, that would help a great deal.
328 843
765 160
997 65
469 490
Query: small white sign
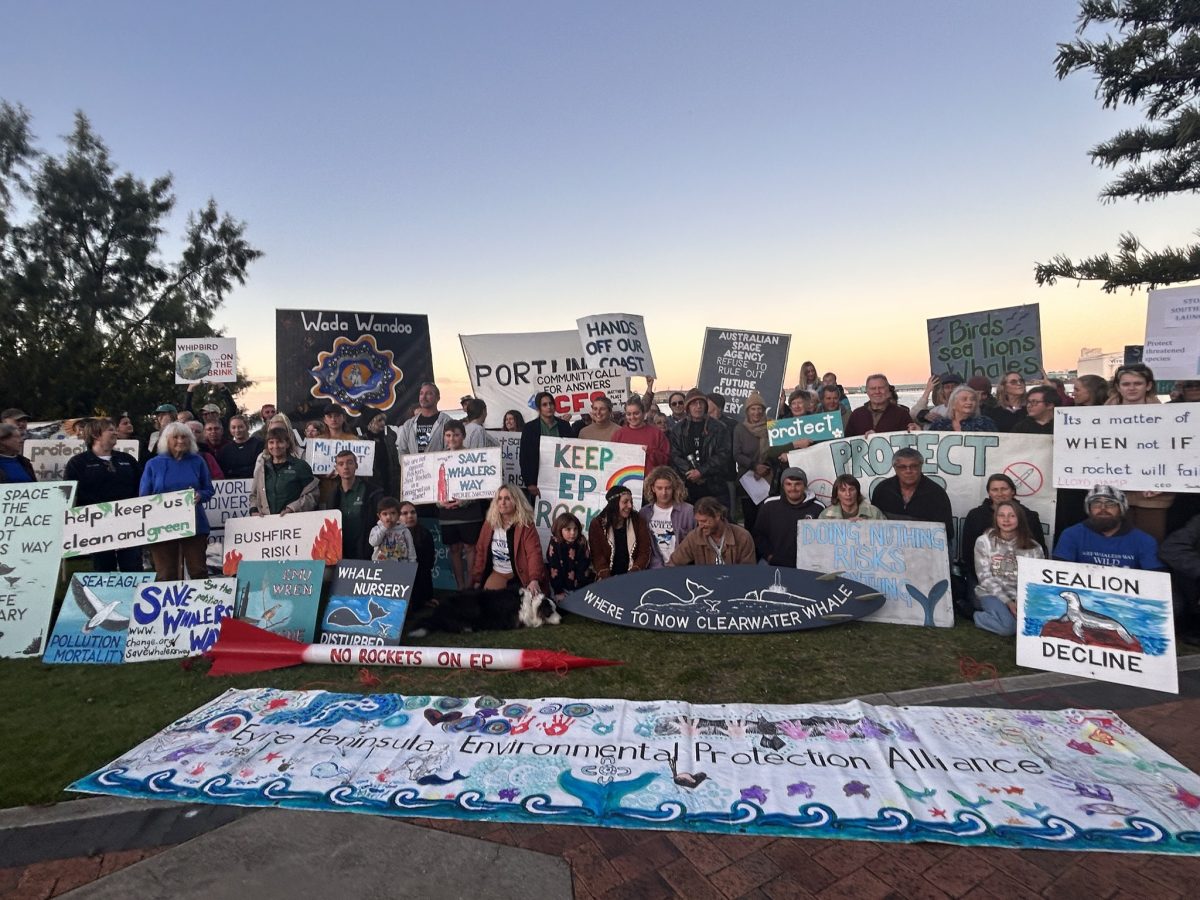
320 454
616 341
211 360
450 475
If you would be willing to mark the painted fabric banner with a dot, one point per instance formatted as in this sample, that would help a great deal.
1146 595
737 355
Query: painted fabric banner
450 475
510 458
507 370
1154 447
230 500
303 535
974 777
94 620
368 602
211 359
136 522
817 428
616 341
174 619
362 361
990 343
734 363
1172 347
49 458
574 475
908 562
31 527
1098 622
280 596
959 462
320 454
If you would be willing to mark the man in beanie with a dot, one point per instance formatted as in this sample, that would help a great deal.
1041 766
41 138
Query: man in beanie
1105 537
775 526
701 449
619 538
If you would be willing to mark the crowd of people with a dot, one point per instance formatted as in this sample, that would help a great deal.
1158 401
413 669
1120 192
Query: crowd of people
703 466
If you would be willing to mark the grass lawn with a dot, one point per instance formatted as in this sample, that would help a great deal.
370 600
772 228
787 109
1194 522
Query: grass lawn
66 721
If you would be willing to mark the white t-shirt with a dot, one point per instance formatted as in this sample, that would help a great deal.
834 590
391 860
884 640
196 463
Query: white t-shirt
500 559
663 531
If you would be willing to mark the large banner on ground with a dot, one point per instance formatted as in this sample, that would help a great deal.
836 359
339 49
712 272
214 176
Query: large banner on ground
136 522
362 361
959 462
280 596
302 535
1172 347
908 562
1056 780
450 475
574 475
616 341
320 454
990 343
31 527
49 458
174 619
94 619
1098 622
1154 447
230 500
734 363
211 359
508 370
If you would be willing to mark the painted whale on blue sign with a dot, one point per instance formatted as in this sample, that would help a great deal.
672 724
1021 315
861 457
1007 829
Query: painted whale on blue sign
725 600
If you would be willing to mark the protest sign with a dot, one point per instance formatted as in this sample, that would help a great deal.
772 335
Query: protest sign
823 426
299 535
959 461
450 475
230 500
94 620
735 363
508 370
1052 779
990 343
368 602
174 619
50 457
1149 447
212 359
136 522
364 362
280 596
1100 622
31 527
616 341
724 600
908 562
510 458
320 454
574 475
1172 347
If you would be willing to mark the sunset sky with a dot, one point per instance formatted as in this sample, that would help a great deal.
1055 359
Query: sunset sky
838 171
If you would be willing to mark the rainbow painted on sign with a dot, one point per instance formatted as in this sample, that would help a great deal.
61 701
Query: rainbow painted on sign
626 476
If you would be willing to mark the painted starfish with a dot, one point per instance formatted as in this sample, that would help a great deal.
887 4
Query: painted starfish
937 813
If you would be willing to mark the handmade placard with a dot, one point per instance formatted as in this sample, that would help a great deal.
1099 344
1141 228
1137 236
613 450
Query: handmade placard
210 359
824 426
1150 447
616 341
991 343
724 600
510 458
1110 624
908 562
367 603
1172 348
49 458
94 620
734 363
230 500
280 596
174 619
31 527
574 476
301 535
136 522
451 475
321 453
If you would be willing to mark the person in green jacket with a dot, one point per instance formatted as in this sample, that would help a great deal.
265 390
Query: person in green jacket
283 483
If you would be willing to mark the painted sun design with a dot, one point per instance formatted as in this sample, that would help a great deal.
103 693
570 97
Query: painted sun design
356 374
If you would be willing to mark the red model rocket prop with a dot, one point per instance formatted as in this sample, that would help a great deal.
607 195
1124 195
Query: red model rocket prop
243 647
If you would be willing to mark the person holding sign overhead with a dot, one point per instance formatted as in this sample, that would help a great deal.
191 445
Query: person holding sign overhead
178 467
509 551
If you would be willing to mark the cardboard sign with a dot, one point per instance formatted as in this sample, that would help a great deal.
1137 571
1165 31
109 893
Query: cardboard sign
959 461
616 341
574 475
94 620
280 596
734 363
908 562
367 603
300 535
136 522
31 527
508 370
724 600
230 500
212 360
510 458
990 343
823 426
1172 348
50 457
1150 447
1098 622
320 454
174 619
450 475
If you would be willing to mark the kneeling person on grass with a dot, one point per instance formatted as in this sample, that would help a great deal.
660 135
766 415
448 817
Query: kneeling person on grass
775 526
715 541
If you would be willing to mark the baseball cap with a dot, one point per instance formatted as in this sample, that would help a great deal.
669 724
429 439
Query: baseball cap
14 413
210 407
165 408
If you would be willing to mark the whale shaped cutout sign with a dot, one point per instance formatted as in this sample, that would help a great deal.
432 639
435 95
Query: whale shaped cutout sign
724 600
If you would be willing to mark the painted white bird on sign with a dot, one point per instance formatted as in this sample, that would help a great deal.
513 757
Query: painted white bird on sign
100 614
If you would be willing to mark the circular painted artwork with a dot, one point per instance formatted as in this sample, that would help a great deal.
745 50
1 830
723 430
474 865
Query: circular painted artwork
356 374
193 365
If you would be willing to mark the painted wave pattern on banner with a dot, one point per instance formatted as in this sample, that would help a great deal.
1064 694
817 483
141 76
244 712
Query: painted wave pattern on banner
1069 780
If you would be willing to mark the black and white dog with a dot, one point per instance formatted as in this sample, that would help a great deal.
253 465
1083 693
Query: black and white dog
500 610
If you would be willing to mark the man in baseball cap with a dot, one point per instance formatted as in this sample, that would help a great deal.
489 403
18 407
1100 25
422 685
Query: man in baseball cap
775 526
18 418
1106 537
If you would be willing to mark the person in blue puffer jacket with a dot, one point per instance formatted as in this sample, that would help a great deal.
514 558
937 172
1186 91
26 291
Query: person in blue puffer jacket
177 467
